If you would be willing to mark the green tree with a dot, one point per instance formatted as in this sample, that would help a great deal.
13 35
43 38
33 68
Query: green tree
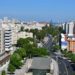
3 72
34 31
45 27
21 52
16 60
22 28
39 52
61 30
22 42
27 30
41 34
11 68
28 48
73 58
56 48
30 39
69 54
42 52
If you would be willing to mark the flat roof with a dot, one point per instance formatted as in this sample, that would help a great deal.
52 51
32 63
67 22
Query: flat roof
40 63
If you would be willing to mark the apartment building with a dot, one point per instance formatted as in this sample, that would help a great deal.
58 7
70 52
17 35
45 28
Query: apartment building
4 55
1 41
14 31
71 43
7 39
68 42
12 28
34 25
24 35
69 27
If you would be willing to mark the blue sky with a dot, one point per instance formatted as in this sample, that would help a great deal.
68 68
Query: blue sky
56 10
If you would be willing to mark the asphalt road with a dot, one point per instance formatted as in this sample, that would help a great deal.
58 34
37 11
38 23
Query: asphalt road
64 66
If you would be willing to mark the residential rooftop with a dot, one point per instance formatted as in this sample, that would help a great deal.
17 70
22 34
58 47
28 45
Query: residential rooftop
41 63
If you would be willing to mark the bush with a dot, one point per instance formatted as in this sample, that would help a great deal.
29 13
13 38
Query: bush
3 72
69 55
15 60
21 52
11 68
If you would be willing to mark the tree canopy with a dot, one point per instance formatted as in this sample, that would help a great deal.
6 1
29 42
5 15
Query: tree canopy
21 52
3 72
11 68
16 60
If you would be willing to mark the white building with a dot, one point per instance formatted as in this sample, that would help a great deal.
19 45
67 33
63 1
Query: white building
64 43
34 25
14 30
1 41
4 43
69 27
24 35
7 39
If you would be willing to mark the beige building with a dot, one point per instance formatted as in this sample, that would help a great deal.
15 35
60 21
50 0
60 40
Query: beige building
34 25
24 35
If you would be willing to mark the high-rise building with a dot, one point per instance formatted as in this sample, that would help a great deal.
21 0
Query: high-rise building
4 56
69 27
7 38
1 41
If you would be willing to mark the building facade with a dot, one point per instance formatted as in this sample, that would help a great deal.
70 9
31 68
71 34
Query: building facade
4 55
69 27
1 41
7 39
68 42
71 44
24 35
64 42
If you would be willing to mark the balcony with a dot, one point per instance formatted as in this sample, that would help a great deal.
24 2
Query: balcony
7 40
6 43
7 49
7 35
7 31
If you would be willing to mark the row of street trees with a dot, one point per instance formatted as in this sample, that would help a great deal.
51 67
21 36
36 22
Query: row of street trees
26 49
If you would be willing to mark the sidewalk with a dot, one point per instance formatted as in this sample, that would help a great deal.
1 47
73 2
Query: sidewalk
56 68
24 68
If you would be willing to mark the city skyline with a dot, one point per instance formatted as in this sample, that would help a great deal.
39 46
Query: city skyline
38 10
37 37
